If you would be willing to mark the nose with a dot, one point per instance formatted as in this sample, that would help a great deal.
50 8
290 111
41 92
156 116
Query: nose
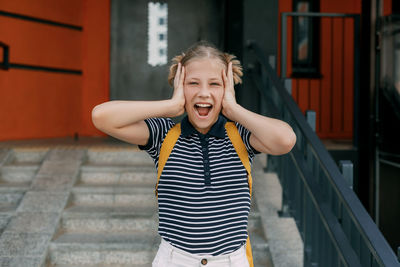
204 91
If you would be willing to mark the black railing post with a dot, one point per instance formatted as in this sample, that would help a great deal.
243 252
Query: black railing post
398 253
346 167
311 116
284 176
266 84
283 44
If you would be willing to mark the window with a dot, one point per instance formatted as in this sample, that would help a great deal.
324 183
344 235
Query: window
157 34
305 60
390 61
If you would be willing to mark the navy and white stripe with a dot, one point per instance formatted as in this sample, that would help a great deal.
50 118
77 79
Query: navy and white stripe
203 193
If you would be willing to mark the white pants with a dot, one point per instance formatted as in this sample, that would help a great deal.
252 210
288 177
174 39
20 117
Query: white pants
169 256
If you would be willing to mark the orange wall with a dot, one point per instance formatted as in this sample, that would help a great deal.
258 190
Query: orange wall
96 61
66 11
40 44
40 104
331 96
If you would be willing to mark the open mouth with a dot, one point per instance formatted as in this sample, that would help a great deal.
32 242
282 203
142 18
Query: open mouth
203 109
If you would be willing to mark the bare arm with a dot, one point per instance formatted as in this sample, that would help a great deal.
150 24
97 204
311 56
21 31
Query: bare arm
268 135
125 119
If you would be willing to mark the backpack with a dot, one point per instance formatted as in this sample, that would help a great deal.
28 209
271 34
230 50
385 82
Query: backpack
237 142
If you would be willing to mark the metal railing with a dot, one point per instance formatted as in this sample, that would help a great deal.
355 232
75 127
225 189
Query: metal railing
335 227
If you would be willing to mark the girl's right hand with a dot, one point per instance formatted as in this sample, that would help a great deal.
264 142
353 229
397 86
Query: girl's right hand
179 97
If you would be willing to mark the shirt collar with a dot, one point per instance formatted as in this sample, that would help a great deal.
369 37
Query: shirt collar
217 130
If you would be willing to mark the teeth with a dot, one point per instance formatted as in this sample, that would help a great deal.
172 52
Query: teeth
204 105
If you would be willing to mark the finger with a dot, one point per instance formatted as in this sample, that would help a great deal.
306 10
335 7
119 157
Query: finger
230 73
182 76
177 75
224 78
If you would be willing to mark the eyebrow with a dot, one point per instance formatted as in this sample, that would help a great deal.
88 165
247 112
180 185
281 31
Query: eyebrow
211 79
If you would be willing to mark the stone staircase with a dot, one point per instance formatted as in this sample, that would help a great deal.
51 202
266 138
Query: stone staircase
110 219
98 208
17 170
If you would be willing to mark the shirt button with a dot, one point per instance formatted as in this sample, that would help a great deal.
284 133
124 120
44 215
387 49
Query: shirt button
204 149
204 261
207 173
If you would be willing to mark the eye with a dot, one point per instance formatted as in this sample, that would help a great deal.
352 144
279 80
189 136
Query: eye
215 84
193 83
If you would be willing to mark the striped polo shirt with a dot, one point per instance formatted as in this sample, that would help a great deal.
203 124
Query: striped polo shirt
203 192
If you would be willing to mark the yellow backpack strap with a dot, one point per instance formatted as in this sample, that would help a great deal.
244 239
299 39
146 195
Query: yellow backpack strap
241 150
249 253
166 149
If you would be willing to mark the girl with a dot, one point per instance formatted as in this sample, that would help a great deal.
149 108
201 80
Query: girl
203 191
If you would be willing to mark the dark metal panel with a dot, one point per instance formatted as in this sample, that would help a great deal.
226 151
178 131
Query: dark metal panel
262 27
188 22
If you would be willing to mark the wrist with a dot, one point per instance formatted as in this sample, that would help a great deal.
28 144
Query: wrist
231 110
175 107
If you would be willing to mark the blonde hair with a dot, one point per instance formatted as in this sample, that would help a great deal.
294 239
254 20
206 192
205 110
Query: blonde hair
204 49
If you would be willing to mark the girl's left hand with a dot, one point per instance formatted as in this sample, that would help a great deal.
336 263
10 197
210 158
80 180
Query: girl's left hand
229 100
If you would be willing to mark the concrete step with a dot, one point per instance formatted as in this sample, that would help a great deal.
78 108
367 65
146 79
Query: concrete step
10 198
11 195
117 195
4 219
8 209
128 175
18 173
14 187
118 157
262 259
258 240
254 220
76 211
103 250
5 155
105 220
27 155
260 248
